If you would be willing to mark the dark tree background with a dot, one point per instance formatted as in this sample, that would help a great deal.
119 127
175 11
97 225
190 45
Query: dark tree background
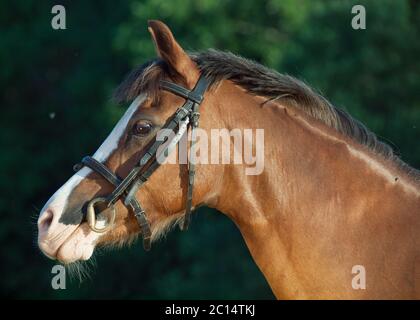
55 107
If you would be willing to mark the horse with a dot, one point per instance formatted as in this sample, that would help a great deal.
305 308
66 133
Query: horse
333 203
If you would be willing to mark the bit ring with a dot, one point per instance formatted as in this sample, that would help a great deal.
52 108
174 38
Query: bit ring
91 215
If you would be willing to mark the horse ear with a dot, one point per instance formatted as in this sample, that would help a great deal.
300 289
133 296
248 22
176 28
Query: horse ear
171 52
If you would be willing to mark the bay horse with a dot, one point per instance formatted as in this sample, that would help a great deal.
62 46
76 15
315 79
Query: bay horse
331 197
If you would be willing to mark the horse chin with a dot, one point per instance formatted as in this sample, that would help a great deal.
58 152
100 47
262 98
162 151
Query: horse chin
78 246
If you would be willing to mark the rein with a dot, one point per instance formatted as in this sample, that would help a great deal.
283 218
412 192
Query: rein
184 117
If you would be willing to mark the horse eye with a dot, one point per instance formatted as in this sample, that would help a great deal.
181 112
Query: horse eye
142 128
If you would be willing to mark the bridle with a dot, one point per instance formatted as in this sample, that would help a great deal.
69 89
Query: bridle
184 117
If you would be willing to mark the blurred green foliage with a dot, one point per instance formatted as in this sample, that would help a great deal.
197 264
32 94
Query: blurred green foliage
55 89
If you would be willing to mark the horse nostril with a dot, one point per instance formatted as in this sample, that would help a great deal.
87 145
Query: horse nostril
45 221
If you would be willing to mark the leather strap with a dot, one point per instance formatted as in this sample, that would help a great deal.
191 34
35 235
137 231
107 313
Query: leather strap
139 213
98 167
123 185
191 167
142 221
196 95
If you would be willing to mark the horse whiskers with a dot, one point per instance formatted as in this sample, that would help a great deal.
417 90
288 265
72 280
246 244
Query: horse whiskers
34 216
81 270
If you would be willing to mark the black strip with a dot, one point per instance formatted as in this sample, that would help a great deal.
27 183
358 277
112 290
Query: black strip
98 167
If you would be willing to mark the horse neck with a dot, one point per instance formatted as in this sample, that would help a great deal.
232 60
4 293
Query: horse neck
319 194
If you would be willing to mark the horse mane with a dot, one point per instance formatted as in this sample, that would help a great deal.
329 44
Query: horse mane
259 80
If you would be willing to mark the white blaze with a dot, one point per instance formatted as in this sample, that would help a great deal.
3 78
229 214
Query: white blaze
59 200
